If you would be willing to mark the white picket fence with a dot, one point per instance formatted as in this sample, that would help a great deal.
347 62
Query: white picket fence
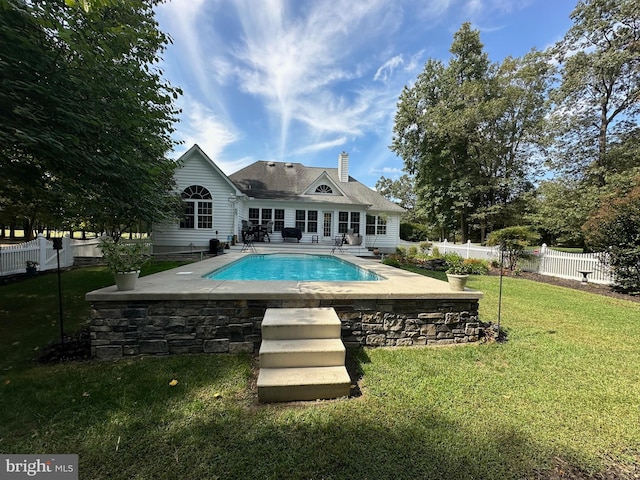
14 258
546 261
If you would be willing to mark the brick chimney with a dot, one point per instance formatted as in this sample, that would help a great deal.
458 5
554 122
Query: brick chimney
343 167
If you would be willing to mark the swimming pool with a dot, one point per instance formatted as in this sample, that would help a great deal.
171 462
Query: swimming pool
300 267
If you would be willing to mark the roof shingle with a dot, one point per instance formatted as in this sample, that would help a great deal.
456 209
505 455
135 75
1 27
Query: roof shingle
289 181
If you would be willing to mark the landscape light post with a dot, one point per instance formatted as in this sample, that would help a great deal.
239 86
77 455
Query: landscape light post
57 246
500 290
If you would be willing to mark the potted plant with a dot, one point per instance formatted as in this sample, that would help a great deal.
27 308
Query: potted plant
124 260
32 268
457 272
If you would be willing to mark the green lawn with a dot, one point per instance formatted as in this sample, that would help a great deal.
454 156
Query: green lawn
566 384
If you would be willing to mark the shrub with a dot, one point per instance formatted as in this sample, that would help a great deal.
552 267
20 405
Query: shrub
425 247
477 266
456 264
413 252
392 261
435 252
512 242
615 229
465 266
123 256
413 232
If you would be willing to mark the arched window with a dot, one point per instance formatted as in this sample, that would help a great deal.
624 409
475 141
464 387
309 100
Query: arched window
324 189
198 208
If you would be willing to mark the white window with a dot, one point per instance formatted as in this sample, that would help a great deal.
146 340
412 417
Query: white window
324 189
198 208
376 225
262 216
348 221
307 220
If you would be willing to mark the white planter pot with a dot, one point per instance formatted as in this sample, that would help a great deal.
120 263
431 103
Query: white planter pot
457 282
126 280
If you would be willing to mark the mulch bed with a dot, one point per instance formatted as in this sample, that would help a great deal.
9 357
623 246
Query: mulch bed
76 346
574 284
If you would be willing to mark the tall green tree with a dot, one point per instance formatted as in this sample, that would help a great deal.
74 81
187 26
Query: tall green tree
467 131
85 116
558 209
598 98
401 191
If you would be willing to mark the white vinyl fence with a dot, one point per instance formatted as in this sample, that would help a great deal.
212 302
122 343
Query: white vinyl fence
546 262
14 258
86 248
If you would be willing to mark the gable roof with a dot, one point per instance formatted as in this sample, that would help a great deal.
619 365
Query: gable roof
189 154
291 181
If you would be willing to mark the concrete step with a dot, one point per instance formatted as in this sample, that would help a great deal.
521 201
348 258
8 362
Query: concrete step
293 323
311 383
310 352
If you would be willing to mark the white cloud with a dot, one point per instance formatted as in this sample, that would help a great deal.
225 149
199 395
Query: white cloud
221 70
388 67
415 62
294 61
389 171
183 19
476 9
316 147
199 124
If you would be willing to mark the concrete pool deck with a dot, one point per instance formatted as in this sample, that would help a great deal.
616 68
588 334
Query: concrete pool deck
180 311
187 283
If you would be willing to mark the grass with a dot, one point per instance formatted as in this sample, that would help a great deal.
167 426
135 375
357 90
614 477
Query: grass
566 384
29 312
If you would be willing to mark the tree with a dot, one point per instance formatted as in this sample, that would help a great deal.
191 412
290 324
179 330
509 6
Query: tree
615 230
401 191
599 93
468 130
558 209
85 117
513 242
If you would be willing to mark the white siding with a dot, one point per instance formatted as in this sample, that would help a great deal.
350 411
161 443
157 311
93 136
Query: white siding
386 242
198 171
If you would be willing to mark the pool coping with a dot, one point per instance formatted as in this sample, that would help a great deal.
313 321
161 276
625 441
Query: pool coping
187 283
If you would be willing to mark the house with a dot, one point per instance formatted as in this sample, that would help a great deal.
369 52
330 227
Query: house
321 203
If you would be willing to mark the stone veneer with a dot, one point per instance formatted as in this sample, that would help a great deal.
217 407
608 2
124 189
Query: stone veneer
159 327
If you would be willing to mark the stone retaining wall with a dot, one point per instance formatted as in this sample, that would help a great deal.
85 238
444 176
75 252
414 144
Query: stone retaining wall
121 328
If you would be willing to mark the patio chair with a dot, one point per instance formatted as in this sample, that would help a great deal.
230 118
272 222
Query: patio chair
247 239
268 230
338 242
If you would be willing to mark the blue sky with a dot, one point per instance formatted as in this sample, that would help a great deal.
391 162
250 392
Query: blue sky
303 80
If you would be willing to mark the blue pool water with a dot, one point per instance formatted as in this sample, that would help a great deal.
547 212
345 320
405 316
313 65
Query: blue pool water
300 267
